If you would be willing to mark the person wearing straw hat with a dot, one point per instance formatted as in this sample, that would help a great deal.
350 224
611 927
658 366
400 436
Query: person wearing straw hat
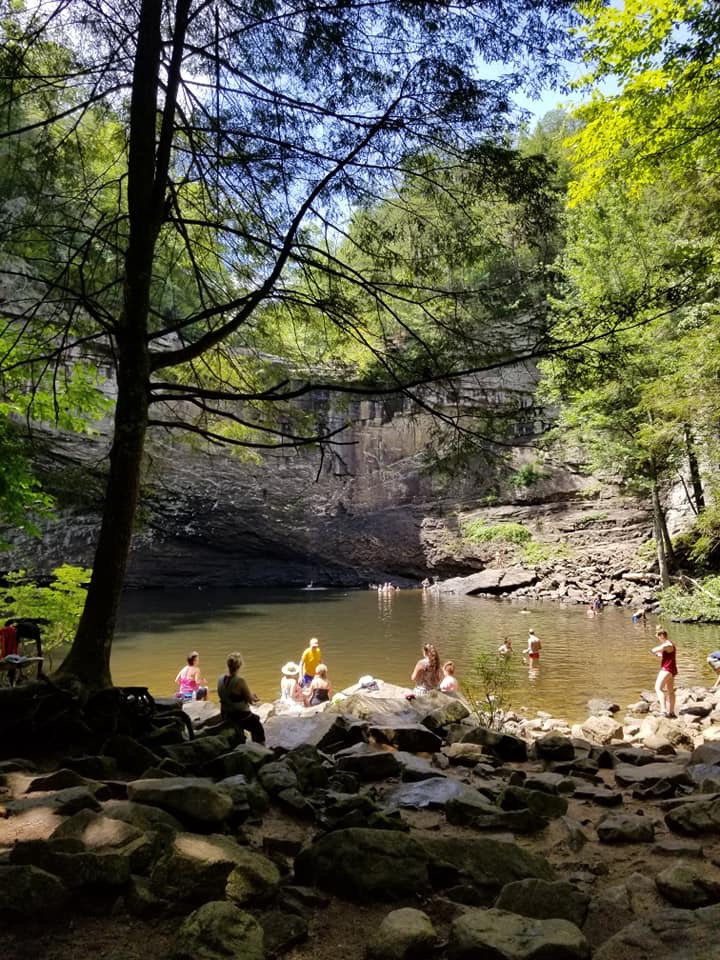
289 686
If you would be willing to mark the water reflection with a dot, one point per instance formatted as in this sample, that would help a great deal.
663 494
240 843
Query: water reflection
362 633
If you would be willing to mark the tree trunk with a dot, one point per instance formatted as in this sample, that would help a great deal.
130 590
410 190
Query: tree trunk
695 479
660 531
89 657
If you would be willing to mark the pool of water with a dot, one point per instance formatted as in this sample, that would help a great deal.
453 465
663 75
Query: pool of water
361 632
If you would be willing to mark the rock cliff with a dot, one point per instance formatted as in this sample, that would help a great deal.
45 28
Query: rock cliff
369 511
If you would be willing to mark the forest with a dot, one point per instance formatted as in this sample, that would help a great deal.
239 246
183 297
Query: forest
234 204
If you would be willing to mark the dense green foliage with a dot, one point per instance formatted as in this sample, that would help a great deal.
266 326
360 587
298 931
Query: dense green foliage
693 602
636 322
479 531
60 603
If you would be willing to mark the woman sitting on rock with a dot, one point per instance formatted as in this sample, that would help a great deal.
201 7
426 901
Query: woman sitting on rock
290 691
319 690
191 684
235 699
427 673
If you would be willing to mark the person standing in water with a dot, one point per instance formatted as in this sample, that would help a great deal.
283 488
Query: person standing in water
665 682
533 646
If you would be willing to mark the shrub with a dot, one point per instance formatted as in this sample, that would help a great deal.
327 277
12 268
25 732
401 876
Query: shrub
527 475
477 531
537 553
486 690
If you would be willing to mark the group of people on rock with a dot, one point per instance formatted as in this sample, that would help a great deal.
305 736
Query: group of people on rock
306 682
234 694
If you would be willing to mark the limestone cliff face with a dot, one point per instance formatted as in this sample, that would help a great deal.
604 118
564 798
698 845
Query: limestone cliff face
368 511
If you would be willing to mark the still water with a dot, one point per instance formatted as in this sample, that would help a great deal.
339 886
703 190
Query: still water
363 633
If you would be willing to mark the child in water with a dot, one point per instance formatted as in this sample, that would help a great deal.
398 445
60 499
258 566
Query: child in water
449 682
505 648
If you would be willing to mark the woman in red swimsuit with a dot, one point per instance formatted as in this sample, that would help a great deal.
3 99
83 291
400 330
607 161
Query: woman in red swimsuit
665 683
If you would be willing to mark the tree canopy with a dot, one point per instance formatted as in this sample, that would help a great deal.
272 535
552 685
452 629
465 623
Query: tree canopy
186 177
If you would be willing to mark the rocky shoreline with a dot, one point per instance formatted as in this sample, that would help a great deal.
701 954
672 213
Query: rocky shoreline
374 827
561 582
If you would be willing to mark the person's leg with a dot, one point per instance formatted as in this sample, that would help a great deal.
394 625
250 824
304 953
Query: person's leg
670 695
660 689
251 722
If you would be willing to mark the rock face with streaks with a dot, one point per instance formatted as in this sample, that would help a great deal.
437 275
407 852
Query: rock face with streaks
368 511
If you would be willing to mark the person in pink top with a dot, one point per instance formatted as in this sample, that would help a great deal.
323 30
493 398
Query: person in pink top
191 684
665 683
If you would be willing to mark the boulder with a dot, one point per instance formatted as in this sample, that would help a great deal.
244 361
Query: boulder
690 885
253 879
195 869
546 806
277 776
471 809
432 793
193 754
504 746
368 762
629 775
670 933
142 816
324 731
695 817
508 936
365 865
27 891
625 828
600 729
192 799
544 900
410 737
484 862
554 748
600 706
402 935
416 768
99 869
216 931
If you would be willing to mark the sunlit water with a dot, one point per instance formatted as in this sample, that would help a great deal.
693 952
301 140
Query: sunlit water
361 633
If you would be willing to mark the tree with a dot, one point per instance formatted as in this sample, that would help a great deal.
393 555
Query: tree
237 138
661 57
641 260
